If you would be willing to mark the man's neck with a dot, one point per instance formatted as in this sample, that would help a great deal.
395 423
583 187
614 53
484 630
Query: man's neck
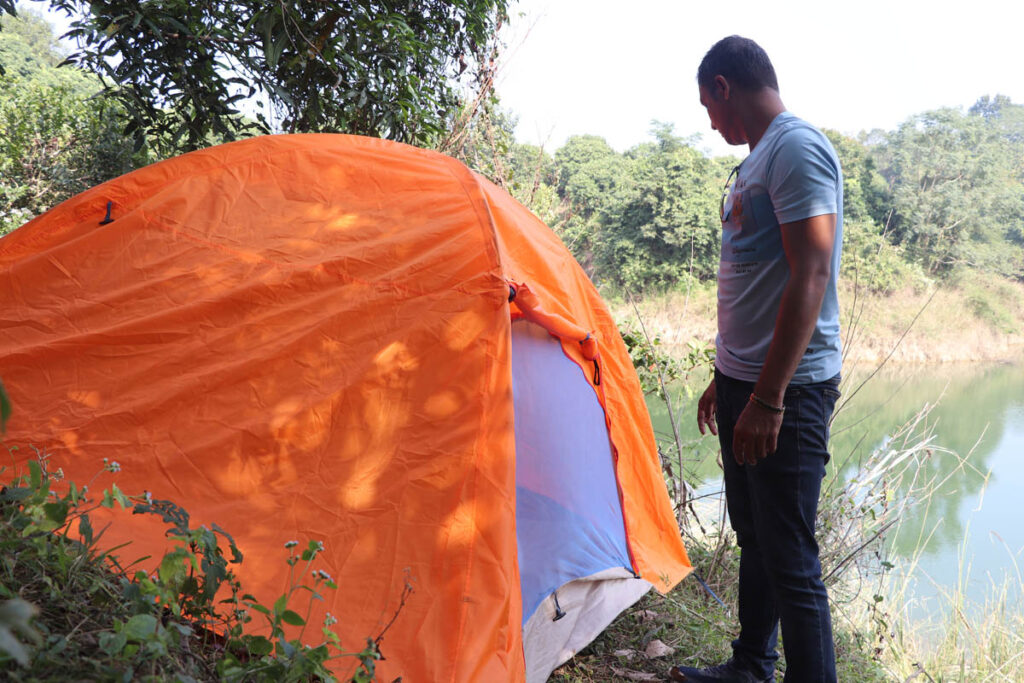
758 112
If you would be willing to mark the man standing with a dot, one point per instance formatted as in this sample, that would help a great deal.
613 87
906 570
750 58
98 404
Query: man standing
777 363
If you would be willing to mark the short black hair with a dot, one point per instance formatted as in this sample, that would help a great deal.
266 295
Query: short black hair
741 61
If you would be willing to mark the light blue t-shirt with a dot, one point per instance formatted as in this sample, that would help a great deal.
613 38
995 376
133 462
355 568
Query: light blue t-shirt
792 174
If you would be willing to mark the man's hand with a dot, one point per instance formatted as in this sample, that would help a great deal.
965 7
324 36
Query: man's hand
706 407
756 434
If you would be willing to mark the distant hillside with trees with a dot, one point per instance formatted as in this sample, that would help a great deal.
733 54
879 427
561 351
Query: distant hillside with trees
940 195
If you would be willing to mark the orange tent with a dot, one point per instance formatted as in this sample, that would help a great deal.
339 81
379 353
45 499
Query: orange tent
356 341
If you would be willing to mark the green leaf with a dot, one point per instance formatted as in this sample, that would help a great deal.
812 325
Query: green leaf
35 474
290 617
56 512
172 569
5 406
140 627
258 646
112 643
12 647
17 613
286 648
16 493
280 604
15 616
85 530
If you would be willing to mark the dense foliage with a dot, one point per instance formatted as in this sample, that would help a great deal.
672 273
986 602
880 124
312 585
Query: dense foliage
156 79
190 73
56 139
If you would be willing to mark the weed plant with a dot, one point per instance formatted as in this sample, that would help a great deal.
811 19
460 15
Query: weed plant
70 611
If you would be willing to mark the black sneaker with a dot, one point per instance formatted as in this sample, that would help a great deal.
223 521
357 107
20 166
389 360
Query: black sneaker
723 673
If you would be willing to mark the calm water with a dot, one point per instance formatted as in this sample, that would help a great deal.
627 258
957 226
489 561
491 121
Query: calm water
974 525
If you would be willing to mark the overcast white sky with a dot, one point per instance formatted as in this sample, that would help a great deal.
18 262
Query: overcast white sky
608 67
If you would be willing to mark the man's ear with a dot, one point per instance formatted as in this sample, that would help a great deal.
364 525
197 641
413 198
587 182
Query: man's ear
720 88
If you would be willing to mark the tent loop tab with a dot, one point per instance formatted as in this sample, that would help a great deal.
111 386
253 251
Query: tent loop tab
559 612
107 218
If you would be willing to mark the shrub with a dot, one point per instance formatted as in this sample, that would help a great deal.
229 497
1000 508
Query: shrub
873 262
54 143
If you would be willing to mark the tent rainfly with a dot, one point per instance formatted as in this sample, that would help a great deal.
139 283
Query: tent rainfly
335 338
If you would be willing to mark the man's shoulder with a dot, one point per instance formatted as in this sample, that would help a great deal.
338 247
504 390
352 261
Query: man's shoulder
798 142
794 130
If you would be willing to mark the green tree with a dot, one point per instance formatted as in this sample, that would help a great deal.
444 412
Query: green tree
533 180
189 72
1005 116
56 140
666 227
866 195
30 53
1006 121
869 258
957 191
483 139
591 179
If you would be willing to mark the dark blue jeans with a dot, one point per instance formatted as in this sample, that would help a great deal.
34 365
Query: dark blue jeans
772 508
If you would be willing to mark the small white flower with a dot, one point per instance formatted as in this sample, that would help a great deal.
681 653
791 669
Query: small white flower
291 544
330 620
114 466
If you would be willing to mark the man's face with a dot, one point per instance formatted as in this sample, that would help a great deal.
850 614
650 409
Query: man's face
722 113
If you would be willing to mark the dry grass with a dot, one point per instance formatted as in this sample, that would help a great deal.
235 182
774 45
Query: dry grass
980 318
677 318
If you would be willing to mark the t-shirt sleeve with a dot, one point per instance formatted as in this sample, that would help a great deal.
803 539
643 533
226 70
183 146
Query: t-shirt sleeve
803 177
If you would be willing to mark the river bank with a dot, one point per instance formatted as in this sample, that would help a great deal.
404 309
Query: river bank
980 319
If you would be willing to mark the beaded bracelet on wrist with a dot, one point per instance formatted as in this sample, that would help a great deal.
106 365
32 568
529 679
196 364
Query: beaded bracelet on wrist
778 410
